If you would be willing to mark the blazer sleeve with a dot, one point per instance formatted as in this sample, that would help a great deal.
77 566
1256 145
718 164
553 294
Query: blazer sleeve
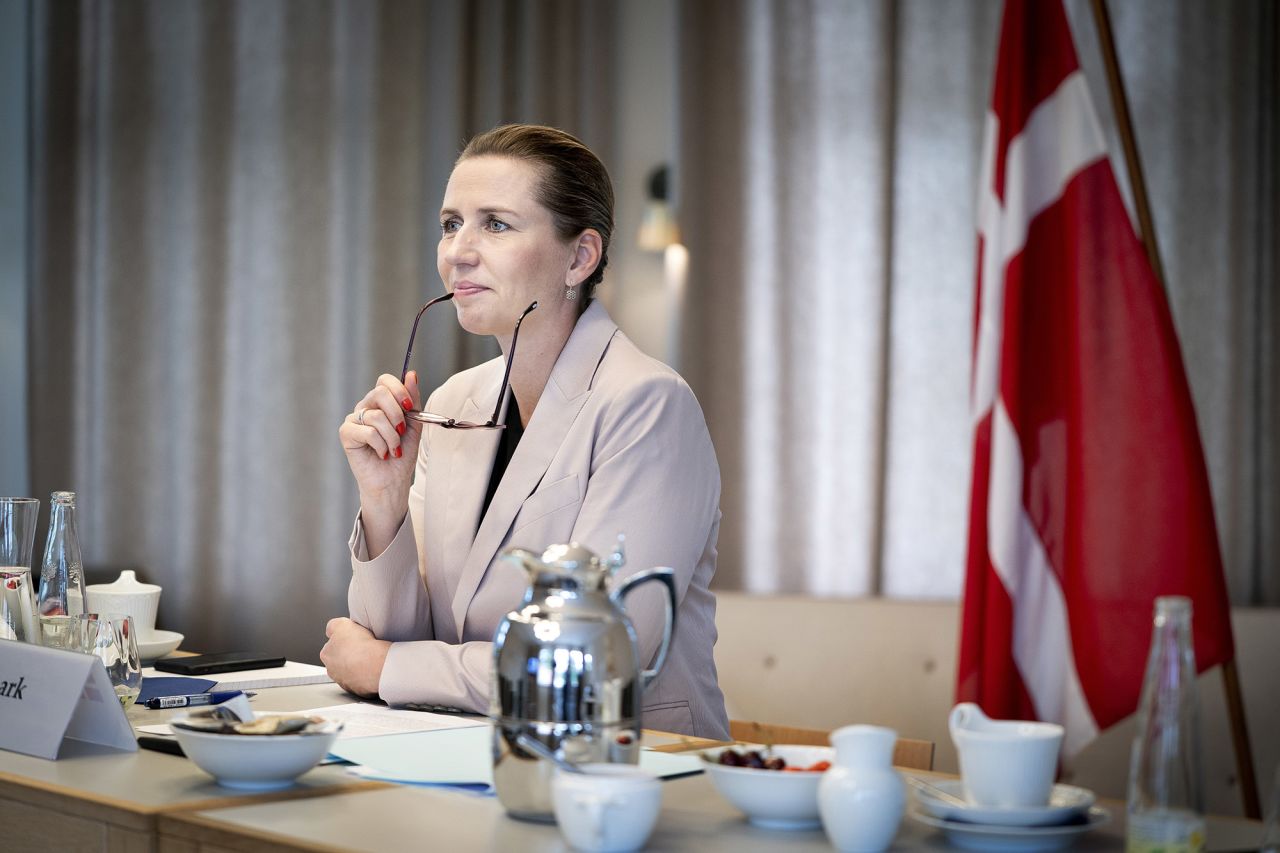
654 476
436 672
655 479
388 594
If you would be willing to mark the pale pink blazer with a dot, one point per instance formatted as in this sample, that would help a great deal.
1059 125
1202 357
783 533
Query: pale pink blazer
617 444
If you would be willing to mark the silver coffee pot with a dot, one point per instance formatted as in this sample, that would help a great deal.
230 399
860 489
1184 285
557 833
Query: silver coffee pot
567 672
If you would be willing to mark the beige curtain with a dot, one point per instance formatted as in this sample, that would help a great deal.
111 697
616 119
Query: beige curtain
233 224
828 173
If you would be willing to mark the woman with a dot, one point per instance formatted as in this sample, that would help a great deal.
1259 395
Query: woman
599 440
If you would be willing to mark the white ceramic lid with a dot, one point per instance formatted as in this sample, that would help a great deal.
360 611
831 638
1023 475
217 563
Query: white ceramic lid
127 583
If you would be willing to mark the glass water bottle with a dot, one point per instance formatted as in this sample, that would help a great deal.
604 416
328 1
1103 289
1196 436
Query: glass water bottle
61 575
1166 790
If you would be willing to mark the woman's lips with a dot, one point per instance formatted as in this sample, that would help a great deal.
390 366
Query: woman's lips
467 288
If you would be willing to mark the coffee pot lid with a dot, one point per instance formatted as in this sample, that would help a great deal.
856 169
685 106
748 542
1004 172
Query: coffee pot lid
573 556
570 556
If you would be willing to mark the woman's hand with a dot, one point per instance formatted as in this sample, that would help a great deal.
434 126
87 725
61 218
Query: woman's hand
353 656
382 448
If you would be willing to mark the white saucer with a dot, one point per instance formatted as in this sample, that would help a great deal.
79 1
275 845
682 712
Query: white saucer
1015 839
159 644
1065 803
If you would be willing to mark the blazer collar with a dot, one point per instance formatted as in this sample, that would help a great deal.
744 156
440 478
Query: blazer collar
566 393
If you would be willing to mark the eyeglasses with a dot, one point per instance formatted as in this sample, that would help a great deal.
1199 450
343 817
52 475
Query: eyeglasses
453 423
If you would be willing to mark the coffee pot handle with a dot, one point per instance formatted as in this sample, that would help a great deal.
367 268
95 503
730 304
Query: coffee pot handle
667 577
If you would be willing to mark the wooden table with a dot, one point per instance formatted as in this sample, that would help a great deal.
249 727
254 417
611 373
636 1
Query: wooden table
94 798
99 799
694 818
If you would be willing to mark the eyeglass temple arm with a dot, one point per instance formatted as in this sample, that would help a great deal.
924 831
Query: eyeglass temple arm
511 356
413 333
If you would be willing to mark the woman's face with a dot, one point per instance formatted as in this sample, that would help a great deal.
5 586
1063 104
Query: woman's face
499 250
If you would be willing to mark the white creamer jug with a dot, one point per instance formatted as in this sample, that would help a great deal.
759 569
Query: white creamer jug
861 798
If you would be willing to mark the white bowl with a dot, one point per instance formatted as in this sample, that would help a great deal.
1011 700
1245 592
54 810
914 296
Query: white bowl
256 762
775 799
159 644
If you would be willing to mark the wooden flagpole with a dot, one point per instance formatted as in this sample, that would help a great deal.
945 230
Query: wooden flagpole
1120 103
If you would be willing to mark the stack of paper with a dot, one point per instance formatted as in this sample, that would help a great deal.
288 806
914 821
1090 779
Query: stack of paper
289 675
461 756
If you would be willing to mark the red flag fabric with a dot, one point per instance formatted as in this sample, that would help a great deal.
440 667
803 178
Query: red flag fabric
1090 495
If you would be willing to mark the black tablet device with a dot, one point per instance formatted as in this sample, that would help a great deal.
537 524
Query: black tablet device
223 662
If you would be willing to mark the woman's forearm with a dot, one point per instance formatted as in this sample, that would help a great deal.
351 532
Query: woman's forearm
381 518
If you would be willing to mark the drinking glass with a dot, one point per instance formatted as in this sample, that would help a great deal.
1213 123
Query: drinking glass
17 549
60 632
18 608
111 637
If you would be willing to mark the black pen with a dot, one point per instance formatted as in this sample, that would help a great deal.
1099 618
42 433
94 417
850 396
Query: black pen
194 699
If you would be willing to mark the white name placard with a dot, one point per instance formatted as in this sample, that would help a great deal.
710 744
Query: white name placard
51 695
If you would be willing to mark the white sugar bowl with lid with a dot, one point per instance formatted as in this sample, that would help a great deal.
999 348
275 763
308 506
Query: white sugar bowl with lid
127 595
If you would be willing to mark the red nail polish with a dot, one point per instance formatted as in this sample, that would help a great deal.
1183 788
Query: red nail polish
400 427
407 403
398 453
385 456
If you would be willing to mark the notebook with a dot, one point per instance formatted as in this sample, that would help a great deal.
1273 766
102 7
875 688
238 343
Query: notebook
155 687
289 675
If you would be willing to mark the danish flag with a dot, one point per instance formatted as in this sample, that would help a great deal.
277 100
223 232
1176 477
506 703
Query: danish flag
1089 495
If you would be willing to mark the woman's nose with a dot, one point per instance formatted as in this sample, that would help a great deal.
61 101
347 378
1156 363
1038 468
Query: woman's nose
460 249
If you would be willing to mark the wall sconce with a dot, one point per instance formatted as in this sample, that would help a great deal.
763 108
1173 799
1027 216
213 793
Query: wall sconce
658 228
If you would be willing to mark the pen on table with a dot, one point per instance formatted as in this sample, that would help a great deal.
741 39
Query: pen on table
194 699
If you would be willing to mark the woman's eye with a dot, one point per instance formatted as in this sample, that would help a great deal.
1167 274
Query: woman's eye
449 226
497 225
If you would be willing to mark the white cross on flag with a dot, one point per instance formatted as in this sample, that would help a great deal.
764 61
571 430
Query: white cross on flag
1089 496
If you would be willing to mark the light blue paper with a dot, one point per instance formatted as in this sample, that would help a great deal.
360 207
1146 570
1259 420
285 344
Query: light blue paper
446 757
461 757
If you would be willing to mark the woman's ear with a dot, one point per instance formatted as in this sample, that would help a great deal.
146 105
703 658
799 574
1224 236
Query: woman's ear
587 252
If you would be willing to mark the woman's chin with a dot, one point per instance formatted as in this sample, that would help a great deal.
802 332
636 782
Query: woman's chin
475 322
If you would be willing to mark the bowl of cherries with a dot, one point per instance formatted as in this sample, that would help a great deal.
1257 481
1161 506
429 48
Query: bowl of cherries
776 787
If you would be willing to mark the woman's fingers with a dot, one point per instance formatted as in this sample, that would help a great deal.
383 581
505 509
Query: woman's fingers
402 397
411 385
358 431
378 419
387 430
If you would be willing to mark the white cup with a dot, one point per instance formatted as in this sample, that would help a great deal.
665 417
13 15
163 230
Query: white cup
1004 763
127 596
610 808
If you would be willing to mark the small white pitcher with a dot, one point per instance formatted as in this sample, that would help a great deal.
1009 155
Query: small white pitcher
1004 763
861 798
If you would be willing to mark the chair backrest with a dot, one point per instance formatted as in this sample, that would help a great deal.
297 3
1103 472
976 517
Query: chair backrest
907 752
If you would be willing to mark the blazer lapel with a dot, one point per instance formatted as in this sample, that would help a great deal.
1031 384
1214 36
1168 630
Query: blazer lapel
566 393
